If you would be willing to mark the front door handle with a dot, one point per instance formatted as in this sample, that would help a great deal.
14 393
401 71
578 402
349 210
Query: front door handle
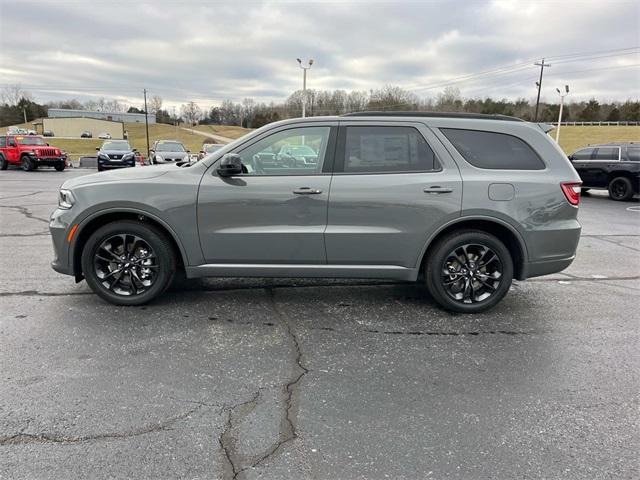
435 189
307 191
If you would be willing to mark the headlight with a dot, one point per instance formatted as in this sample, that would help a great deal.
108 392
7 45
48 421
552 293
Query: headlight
65 199
103 156
159 158
127 156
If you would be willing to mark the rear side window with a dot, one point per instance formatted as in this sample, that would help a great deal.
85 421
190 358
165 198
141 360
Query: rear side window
584 154
633 153
493 150
386 149
607 153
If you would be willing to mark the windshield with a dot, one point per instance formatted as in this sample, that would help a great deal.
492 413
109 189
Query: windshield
170 147
211 147
118 146
30 141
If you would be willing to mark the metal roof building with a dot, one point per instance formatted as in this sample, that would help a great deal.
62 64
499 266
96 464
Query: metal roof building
113 116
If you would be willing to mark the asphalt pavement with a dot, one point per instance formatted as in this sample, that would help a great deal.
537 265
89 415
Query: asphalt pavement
317 379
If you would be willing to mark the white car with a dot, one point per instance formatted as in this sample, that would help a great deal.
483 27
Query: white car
104 136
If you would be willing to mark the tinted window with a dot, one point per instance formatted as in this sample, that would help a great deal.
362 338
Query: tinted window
276 154
607 153
387 149
493 150
633 153
3 141
584 154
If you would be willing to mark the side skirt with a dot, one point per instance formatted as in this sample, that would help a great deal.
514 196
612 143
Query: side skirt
390 272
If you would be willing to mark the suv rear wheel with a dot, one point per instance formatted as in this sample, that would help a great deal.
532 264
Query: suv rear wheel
469 271
620 189
128 263
3 163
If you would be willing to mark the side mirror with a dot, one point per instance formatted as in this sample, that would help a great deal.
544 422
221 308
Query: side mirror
152 151
134 150
97 149
231 164
47 145
188 151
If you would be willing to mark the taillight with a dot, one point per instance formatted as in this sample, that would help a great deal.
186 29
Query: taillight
571 190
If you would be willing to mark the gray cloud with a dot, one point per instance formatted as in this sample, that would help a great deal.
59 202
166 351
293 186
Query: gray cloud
208 51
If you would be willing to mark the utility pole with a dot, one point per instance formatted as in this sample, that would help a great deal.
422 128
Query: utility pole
304 84
175 120
539 85
24 112
566 88
146 120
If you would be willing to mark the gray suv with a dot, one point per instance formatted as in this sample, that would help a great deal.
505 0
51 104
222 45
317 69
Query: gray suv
464 202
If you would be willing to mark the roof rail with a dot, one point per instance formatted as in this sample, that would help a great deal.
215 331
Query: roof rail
475 116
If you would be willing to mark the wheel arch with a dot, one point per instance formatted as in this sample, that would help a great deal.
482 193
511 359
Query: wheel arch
103 217
501 229
635 181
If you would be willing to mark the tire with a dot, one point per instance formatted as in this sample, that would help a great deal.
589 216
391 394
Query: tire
139 237
27 164
100 168
620 189
60 166
481 297
3 163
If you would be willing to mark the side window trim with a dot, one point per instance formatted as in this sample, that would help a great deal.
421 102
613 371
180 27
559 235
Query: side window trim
329 155
341 142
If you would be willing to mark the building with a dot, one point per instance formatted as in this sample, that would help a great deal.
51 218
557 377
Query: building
114 116
73 127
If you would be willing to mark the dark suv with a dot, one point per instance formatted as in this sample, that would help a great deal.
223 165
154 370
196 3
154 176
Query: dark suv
614 166
465 202
115 154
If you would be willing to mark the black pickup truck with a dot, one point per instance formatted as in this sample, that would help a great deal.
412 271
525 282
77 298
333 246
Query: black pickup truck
614 166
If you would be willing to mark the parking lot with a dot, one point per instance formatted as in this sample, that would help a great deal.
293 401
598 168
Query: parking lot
324 379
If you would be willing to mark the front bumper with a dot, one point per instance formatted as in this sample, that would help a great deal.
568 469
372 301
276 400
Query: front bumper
103 163
49 161
59 227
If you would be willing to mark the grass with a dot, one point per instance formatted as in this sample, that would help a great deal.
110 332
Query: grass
571 137
574 137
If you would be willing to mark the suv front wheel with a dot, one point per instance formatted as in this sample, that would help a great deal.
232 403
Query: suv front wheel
128 263
469 271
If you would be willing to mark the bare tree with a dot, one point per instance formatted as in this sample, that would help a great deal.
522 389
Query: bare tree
248 111
191 113
12 94
154 104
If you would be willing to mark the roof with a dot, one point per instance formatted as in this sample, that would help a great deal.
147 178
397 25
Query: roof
473 116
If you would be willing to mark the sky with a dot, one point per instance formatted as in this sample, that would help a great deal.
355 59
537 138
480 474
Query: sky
208 51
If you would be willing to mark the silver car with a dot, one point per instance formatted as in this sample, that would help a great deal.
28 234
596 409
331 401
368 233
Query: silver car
463 202
168 151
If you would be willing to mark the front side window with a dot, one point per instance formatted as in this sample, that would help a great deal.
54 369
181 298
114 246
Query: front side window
607 153
584 154
298 151
377 149
493 150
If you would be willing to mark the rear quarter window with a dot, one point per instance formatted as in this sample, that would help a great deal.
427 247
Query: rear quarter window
633 153
491 150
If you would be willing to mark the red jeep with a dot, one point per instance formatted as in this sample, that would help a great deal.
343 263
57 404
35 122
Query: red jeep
30 152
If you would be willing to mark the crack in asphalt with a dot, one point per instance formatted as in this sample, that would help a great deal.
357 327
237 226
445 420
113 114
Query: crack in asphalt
41 234
236 463
433 333
48 438
23 195
26 212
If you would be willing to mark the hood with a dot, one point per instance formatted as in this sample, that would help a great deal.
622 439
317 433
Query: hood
115 152
120 175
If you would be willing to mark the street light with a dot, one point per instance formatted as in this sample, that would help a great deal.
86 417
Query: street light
304 83
566 88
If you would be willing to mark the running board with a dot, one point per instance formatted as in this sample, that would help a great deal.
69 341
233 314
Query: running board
390 272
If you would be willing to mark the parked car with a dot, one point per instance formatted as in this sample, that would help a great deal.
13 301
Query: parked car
208 148
86 134
384 200
168 151
115 154
297 155
48 133
104 136
30 152
614 166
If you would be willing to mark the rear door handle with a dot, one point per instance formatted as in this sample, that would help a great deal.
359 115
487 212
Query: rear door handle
307 191
435 189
